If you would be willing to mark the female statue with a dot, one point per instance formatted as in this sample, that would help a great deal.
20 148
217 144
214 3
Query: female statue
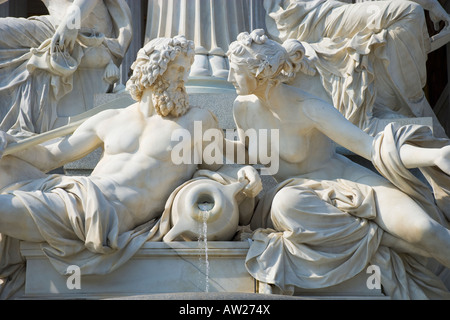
329 217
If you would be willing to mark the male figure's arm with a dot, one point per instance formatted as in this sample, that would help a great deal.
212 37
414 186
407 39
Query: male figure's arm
73 147
252 184
239 172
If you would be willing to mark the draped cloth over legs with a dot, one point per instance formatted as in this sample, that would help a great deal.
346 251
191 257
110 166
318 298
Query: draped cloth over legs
319 233
80 222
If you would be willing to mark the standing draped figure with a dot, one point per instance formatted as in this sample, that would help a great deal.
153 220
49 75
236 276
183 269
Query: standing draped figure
43 85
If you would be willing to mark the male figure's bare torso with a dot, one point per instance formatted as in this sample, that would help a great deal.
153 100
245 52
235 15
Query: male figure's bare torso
137 157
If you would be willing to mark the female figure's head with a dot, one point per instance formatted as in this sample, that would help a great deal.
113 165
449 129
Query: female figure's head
257 61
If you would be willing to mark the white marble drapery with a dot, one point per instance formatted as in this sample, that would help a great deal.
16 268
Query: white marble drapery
39 90
371 57
318 233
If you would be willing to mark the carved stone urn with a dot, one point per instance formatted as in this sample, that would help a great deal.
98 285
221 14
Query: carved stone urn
205 208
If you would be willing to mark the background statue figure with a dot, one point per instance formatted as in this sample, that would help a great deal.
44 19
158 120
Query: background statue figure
52 66
98 222
342 39
370 56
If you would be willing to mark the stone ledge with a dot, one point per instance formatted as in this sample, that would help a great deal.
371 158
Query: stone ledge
193 296
157 268
173 270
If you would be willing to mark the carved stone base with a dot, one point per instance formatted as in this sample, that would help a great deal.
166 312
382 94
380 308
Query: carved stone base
164 269
157 268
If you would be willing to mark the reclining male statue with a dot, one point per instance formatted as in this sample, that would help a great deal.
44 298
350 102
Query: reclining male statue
111 212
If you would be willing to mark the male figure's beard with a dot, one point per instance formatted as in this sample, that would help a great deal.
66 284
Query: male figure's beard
170 99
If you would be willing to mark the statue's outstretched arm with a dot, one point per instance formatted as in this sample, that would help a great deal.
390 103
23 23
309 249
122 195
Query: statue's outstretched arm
330 122
241 173
415 157
47 157
334 125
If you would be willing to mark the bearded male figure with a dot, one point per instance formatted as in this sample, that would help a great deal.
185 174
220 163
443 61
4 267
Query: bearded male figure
99 222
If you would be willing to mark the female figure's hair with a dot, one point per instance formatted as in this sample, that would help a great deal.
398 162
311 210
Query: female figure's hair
152 61
267 59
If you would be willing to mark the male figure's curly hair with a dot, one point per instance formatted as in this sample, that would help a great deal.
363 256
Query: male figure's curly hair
152 61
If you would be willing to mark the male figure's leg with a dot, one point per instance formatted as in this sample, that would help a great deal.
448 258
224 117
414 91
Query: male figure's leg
15 220
13 170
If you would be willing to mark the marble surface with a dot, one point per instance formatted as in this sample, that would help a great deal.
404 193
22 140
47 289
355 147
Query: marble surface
324 222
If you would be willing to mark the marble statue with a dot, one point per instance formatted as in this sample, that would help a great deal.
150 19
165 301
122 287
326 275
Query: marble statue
369 57
329 218
52 66
341 39
98 222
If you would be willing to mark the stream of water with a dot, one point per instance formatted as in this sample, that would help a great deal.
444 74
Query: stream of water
203 240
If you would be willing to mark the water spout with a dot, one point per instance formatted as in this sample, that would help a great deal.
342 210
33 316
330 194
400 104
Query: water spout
205 206
203 238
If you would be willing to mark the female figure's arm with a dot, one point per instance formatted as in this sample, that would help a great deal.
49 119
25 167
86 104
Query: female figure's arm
331 123
334 125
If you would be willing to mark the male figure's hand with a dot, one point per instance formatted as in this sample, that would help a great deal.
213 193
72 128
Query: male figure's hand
254 186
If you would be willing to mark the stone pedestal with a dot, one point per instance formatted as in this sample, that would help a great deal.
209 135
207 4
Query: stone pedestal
157 268
168 270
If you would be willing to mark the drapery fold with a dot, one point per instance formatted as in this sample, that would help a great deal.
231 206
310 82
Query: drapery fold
371 56
80 225
34 81
319 233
